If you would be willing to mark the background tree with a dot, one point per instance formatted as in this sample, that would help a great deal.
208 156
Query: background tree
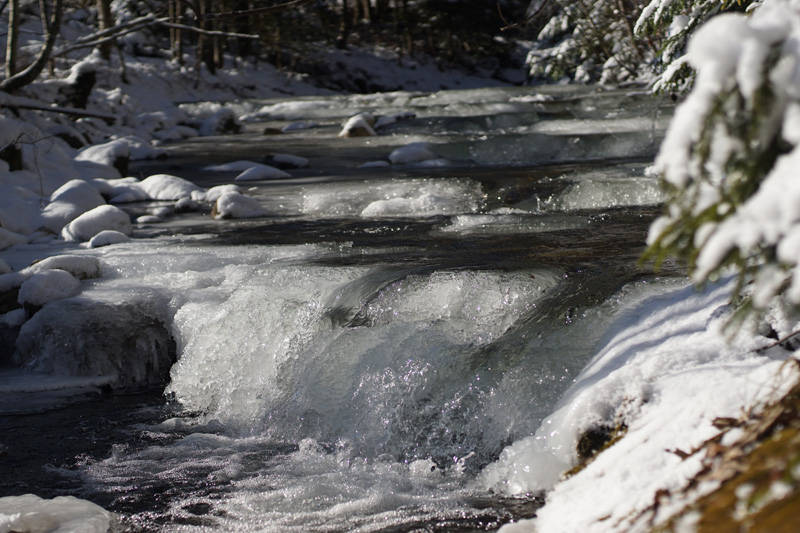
51 26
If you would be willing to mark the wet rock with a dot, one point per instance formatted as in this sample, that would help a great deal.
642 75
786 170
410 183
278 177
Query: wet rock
128 341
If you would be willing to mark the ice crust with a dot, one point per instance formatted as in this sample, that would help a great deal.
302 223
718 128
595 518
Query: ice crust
63 514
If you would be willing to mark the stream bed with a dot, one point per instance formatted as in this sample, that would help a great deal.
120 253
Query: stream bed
354 360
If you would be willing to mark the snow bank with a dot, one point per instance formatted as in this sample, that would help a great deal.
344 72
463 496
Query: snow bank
63 514
89 224
662 352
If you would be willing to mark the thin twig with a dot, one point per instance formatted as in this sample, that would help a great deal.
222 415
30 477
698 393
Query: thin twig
248 12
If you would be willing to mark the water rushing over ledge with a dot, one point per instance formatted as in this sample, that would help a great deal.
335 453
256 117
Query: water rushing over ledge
354 360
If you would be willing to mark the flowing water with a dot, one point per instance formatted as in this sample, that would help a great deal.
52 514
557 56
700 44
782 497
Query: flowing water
352 361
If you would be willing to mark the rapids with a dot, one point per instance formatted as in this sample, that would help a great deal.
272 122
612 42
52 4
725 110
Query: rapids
354 360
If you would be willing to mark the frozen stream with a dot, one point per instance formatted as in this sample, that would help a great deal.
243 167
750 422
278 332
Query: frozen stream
356 359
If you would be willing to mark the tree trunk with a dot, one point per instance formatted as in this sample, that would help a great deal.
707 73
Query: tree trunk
344 27
11 40
106 22
28 75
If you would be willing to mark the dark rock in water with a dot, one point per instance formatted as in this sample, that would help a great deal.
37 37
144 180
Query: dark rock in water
129 341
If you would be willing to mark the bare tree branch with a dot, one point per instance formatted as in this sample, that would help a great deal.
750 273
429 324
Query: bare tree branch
249 12
25 77
209 32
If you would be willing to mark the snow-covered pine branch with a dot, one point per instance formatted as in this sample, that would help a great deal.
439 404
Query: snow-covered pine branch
731 156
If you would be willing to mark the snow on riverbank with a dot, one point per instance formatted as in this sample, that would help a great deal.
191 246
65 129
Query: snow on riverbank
659 383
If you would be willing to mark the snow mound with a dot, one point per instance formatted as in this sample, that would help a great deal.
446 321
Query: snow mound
360 125
89 224
167 187
107 237
80 266
108 154
262 172
68 202
47 286
412 153
213 194
237 205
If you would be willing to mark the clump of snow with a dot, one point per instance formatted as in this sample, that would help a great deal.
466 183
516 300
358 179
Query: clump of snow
262 172
68 202
80 266
60 515
167 187
107 237
89 224
237 205
234 166
412 153
360 125
106 154
213 194
47 286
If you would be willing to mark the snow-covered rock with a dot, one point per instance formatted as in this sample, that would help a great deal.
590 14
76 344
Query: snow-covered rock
80 266
237 205
67 203
89 224
115 154
127 342
213 194
167 187
360 125
47 286
262 172
412 153
107 237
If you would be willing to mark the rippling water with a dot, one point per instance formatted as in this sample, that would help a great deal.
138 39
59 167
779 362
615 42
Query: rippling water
354 360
